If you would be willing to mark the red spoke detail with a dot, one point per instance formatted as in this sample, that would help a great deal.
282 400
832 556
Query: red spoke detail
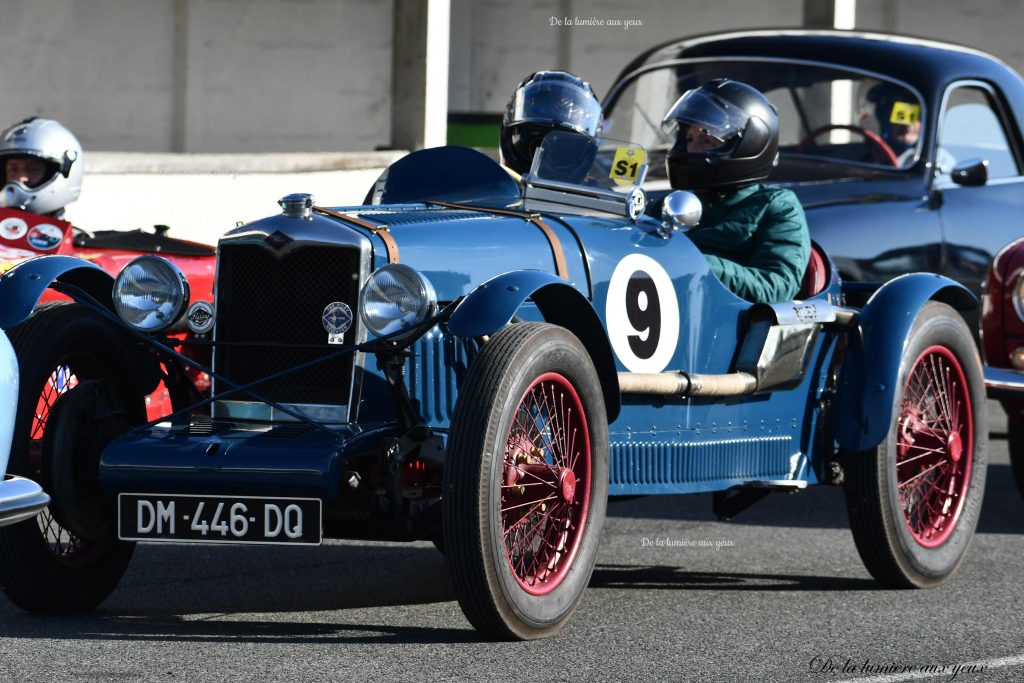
921 474
540 547
531 474
926 452
936 410
530 502
529 483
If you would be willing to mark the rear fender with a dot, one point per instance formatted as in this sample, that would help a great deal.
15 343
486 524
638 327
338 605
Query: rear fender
870 371
22 286
491 306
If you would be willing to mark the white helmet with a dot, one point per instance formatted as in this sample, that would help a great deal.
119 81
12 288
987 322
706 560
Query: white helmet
53 144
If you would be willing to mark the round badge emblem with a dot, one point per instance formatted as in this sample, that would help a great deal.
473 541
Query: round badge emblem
45 236
13 228
337 319
200 317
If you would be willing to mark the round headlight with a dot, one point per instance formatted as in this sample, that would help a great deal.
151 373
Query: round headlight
396 297
150 293
1018 296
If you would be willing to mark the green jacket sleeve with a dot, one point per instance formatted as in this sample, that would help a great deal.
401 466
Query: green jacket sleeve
778 258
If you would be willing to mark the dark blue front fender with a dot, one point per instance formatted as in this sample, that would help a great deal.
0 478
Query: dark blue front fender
490 307
22 286
870 371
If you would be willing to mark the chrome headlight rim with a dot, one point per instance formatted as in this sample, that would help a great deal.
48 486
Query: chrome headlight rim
179 291
403 274
1018 296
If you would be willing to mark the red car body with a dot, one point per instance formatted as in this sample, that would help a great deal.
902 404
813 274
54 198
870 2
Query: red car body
26 235
1002 334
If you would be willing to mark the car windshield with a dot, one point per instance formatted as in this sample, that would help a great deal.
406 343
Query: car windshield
577 159
827 116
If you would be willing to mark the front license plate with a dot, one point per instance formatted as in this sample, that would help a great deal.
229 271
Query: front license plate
218 519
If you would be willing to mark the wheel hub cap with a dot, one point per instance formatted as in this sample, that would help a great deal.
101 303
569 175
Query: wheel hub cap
568 485
955 446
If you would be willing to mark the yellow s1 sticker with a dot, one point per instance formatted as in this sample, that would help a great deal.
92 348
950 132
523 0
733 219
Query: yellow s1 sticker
5 266
626 165
905 113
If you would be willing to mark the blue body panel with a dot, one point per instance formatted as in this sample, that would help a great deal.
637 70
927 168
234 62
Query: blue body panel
867 391
233 459
22 286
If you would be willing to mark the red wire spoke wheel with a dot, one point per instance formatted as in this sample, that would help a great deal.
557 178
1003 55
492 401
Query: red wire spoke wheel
914 500
935 442
525 481
545 489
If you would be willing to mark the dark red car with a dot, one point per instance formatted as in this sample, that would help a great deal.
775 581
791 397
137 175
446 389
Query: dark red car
1002 334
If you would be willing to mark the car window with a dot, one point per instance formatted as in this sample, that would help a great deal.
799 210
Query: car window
825 113
971 129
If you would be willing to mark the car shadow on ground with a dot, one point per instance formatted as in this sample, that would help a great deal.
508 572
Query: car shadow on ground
648 577
820 507
339 575
211 594
225 628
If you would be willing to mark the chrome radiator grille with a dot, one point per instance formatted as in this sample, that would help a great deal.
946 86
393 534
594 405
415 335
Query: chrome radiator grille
269 310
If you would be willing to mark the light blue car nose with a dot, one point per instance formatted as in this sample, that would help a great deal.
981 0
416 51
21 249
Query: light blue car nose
20 498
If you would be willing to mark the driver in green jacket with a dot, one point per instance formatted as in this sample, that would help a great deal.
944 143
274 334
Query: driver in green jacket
755 237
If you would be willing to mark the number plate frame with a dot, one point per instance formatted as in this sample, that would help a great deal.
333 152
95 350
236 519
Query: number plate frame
183 509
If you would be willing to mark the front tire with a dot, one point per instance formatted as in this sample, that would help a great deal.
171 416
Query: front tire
72 402
526 482
914 500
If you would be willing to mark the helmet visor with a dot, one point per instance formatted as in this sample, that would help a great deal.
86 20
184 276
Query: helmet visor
714 116
557 102
27 169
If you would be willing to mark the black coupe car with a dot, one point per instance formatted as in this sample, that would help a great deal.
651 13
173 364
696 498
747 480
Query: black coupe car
906 153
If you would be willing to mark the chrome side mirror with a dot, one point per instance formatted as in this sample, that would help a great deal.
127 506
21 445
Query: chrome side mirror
680 210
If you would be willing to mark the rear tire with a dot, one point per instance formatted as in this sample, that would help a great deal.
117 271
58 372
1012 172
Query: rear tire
526 482
72 402
914 500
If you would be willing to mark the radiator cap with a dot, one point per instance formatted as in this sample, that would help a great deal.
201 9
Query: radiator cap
297 205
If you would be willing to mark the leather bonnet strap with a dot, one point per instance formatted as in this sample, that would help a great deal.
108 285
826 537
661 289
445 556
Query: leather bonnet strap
553 241
380 231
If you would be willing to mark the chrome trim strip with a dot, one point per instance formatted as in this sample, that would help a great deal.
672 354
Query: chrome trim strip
261 412
1004 383
20 499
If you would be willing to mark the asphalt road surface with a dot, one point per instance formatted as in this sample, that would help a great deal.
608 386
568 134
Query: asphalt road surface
779 594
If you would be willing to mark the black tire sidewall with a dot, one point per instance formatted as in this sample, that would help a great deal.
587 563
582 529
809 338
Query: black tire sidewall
552 351
938 324
35 578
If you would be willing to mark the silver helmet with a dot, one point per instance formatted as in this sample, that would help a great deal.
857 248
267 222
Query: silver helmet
55 184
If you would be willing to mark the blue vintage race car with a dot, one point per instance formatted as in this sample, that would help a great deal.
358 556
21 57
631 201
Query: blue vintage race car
482 363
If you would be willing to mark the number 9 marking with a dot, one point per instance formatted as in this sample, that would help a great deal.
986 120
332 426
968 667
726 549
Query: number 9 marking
642 314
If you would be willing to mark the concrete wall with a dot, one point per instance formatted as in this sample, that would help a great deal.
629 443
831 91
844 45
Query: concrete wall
201 75
496 43
990 25
315 75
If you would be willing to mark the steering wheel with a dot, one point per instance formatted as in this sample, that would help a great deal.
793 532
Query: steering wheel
881 152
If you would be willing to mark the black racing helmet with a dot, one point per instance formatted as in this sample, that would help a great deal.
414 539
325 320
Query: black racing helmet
543 102
743 123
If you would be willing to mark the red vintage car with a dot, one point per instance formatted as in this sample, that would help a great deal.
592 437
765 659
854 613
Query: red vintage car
1002 334
26 235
